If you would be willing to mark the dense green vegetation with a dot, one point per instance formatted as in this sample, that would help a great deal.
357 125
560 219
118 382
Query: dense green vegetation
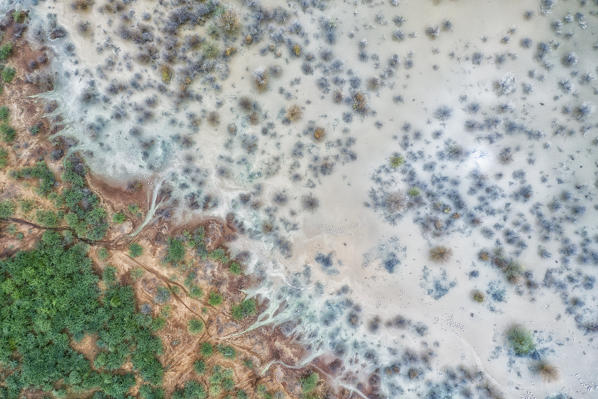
86 216
50 297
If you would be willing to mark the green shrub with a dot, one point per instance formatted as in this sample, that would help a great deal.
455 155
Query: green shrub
19 16
26 205
227 351
235 268
7 209
103 253
34 130
199 366
228 384
149 392
137 273
176 251
215 298
195 292
244 309
119 218
135 250
206 349
195 326
218 254
8 133
41 172
192 390
413 192
8 74
47 218
5 51
50 294
309 383
4 112
162 295
3 158
397 161
521 341
109 275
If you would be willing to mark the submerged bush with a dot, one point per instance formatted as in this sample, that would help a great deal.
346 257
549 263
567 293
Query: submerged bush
520 340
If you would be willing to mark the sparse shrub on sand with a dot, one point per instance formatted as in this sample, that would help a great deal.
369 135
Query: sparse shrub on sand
359 103
394 202
260 79
206 349
319 133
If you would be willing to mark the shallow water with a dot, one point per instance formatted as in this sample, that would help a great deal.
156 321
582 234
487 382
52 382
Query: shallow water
471 138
